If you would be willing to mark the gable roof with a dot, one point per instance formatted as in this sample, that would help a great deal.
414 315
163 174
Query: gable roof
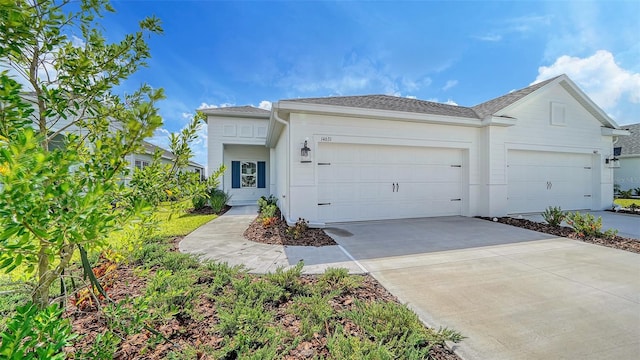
493 106
236 111
479 112
393 103
630 144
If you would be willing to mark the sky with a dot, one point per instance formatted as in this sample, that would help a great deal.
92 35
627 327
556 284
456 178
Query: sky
234 53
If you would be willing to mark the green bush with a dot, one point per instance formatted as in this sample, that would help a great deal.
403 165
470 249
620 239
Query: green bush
314 312
553 215
218 199
296 231
625 194
36 334
338 280
266 201
199 202
289 279
586 225
269 211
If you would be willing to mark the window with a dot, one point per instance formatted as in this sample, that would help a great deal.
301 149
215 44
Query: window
141 164
248 174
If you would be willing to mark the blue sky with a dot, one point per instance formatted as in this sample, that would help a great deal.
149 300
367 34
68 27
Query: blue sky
223 53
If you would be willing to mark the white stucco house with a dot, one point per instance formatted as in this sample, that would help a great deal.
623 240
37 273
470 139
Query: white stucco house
627 150
143 158
379 157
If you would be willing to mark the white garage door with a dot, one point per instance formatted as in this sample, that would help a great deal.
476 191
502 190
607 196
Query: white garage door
538 180
373 182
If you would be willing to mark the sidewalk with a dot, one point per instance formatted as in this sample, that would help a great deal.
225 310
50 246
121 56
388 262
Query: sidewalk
221 240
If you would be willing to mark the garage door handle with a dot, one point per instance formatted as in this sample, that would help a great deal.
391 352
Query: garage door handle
321 204
456 199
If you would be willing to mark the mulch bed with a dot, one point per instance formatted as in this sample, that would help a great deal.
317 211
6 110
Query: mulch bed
616 242
276 234
185 332
208 210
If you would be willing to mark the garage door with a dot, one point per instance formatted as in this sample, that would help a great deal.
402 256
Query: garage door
373 182
541 179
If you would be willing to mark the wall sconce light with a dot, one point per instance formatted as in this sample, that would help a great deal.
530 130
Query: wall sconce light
612 161
305 152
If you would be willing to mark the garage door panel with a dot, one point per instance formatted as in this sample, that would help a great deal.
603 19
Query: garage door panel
537 180
387 182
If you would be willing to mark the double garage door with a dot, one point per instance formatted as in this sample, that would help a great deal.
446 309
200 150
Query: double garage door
537 180
373 182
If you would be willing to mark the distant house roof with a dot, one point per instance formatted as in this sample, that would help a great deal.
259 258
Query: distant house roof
236 110
630 144
151 149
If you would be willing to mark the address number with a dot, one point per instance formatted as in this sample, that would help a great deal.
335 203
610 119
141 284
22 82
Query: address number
325 138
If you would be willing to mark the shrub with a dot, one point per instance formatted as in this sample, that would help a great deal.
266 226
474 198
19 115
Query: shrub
199 202
265 201
587 225
339 280
296 231
218 199
268 211
625 194
553 215
636 191
36 334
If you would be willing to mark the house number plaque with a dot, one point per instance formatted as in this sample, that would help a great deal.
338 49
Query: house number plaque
325 138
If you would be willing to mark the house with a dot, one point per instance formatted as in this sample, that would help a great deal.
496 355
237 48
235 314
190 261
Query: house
373 157
142 159
627 150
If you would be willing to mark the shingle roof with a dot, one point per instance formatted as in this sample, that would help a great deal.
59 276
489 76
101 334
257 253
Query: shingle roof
239 109
395 103
151 148
630 144
499 103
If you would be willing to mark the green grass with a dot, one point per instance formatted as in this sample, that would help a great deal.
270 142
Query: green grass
627 202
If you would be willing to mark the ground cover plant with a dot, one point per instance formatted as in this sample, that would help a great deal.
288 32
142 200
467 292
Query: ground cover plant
584 227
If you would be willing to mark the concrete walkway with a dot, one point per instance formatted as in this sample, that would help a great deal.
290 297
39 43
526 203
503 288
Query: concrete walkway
221 240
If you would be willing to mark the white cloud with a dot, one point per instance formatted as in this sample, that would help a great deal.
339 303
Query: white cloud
450 84
204 105
489 37
599 76
448 102
265 104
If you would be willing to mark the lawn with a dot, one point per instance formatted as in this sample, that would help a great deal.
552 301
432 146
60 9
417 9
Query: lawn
625 203
166 304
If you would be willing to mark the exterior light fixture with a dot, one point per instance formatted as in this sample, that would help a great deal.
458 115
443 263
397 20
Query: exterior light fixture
612 161
305 152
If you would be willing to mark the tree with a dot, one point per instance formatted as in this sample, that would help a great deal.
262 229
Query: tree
63 144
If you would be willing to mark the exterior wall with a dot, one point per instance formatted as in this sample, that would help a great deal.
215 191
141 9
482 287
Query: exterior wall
303 187
628 174
280 175
238 139
244 153
223 130
580 134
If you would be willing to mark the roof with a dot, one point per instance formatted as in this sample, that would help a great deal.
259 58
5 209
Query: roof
238 110
393 103
630 144
499 103
396 103
151 149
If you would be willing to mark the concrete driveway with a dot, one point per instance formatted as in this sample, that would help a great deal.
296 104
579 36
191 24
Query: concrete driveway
515 293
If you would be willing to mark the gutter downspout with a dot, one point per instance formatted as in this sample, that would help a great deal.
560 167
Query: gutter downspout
274 111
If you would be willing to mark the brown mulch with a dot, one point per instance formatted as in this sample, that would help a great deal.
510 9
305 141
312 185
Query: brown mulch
616 242
208 210
183 331
276 234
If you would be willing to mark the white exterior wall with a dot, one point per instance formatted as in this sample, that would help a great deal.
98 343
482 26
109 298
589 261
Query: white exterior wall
581 134
303 187
628 174
237 139
280 173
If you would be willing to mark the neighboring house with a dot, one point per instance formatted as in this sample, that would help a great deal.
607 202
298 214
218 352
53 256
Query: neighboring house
627 150
143 158
374 157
